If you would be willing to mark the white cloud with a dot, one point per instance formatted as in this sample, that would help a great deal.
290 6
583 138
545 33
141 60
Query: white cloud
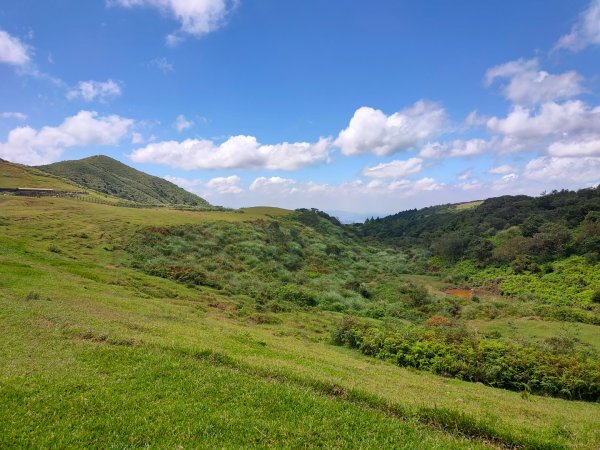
14 115
394 169
456 148
411 188
576 148
471 185
92 90
278 183
474 119
196 17
506 181
13 51
585 32
548 168
501 170
225 185
371 131
237 152
162 64
182 124
530 129
29 146
528 85
137 138
185 183
465 175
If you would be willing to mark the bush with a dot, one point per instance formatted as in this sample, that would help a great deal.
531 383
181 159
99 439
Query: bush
290 293
454 352
33 295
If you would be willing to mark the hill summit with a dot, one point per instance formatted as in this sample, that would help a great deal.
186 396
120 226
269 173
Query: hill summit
109 176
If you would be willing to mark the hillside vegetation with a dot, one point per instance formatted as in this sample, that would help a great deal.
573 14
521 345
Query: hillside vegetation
264 327
18 176
111 177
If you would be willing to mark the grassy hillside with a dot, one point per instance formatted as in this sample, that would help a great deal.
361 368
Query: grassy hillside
108 176
16 175
103 352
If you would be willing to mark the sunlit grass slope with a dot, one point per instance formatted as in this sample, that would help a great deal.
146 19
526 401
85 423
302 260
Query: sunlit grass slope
96 354
15 176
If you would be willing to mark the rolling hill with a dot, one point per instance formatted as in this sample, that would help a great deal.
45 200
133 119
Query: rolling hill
111 177
18 176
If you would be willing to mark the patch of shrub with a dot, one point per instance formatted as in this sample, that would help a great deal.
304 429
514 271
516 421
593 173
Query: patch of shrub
33 295
454 352
291 293
437 321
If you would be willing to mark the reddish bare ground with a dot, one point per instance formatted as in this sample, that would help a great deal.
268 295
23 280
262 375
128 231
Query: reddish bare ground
465 293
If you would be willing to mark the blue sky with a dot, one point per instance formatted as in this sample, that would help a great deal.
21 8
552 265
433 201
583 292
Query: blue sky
368 107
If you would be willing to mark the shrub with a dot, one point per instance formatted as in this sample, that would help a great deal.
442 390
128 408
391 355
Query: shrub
454 352
33 295
437 321
290 293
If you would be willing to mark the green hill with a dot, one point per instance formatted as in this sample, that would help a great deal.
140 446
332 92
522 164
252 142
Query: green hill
18 176
111 177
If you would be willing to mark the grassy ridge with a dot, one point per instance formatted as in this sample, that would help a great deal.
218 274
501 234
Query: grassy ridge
103 328
108 176
14 176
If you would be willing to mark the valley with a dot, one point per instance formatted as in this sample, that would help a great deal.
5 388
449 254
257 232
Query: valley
155 326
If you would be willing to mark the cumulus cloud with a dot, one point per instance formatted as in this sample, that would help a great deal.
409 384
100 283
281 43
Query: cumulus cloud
501 170
225 185
474 119
529 129
196 17
549 168
456 148
91 90
237 152
279 183
470 185
182 124
585 32
506 181
528 85
13 51
578 148
27 145
185 183
371 131
394 169
412 187
14 115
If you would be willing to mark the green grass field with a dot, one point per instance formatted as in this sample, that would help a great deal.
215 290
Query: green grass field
100 355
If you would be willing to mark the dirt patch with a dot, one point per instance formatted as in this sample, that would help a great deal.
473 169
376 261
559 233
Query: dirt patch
464 293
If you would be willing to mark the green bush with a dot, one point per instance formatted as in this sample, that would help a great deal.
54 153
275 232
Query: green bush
454 352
